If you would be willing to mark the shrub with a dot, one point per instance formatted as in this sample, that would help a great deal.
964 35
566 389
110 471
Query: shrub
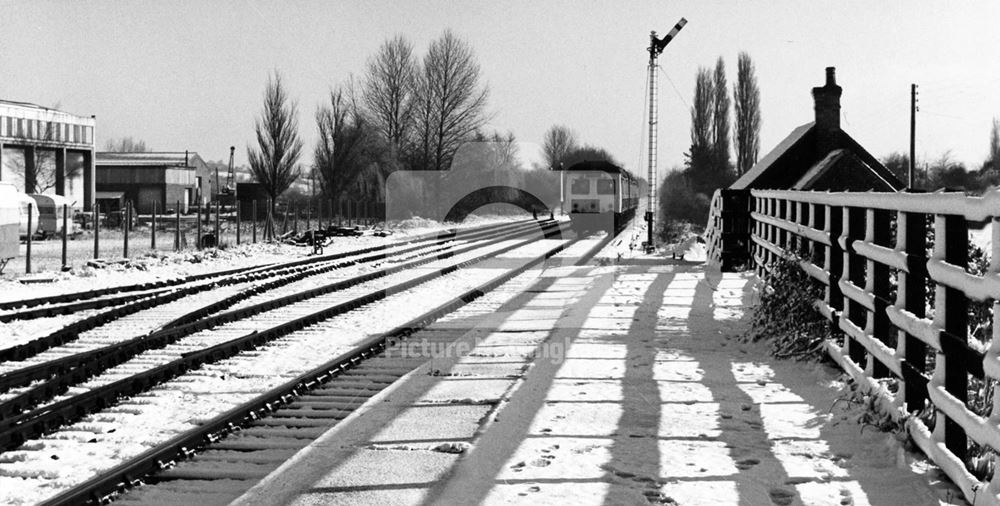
786 317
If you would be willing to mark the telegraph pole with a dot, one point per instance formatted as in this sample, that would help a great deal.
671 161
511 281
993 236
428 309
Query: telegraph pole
656 46
913 133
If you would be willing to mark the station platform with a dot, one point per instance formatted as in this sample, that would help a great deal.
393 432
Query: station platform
599 385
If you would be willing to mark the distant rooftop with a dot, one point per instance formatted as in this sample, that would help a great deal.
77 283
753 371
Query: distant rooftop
158 159
40 109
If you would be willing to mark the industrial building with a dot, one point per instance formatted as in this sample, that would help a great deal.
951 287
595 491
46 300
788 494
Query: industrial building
47 151
154 179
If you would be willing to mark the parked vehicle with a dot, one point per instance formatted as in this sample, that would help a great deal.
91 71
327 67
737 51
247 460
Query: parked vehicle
10 222
50 214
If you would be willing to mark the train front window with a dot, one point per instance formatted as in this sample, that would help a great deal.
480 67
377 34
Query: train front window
605 186
580 186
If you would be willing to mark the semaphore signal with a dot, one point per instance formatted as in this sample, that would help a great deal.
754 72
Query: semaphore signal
656 46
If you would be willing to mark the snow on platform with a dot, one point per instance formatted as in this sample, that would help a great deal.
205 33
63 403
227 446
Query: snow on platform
637 391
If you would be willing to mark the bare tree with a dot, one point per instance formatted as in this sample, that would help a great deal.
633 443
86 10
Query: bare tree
589 153
451 102
126 145
720 120
274 162
389 87
746 97
559 142
339 153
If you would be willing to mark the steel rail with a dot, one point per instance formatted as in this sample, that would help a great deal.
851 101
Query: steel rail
15 430
61 373
73 330
103 488
96 299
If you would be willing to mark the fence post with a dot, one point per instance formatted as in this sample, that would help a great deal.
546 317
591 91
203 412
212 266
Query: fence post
97 229
27 256
197 220
951 315
855 274
295 220
912 297
65 234
878 325
128 218
835 266
284 221
218 235
253 220
177 227
308 217
152 229
239 223
268 223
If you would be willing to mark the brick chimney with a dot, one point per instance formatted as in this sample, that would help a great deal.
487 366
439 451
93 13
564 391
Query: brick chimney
826 101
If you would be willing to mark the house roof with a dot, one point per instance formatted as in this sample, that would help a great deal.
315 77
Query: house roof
157 159
772 156
793 163
822 167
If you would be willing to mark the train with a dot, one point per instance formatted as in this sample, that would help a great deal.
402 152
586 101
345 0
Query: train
599 196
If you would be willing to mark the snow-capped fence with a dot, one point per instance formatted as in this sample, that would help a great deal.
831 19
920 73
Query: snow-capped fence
727 234
869 251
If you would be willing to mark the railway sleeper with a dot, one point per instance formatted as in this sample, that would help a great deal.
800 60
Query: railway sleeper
330 414
270 443
290 421
212 471
309 432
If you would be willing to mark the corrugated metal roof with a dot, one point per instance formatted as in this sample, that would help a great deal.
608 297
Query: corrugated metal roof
175 159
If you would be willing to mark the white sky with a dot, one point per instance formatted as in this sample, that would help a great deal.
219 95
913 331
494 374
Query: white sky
190 75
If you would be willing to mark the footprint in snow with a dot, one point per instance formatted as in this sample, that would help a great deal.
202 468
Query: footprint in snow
781 497
846 499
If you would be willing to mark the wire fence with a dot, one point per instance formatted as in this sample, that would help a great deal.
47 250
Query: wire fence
115 235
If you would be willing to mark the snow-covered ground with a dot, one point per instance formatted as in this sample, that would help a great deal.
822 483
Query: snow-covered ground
171 265
611 385
42 467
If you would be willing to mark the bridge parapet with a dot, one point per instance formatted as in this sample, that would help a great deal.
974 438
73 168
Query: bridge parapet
869 252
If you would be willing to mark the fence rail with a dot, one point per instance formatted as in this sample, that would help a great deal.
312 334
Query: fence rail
869 252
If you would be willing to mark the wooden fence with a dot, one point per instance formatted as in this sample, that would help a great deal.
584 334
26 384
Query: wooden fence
727 235
869 251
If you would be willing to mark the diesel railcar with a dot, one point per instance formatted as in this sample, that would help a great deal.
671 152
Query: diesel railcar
599 196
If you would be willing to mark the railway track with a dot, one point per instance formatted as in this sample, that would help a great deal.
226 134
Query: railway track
136 302
219 353
68 303
93 352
